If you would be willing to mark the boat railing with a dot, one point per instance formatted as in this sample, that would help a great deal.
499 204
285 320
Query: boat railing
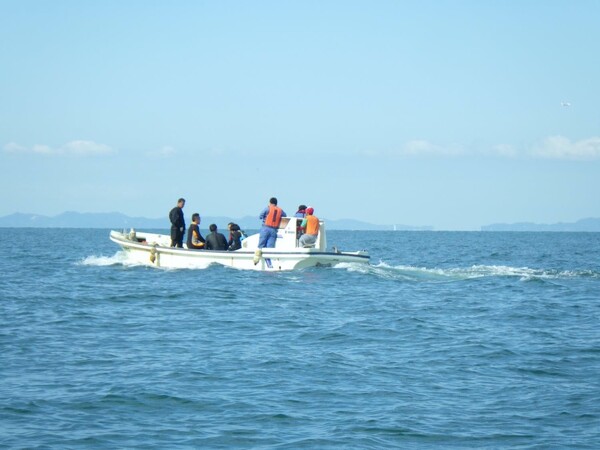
288 236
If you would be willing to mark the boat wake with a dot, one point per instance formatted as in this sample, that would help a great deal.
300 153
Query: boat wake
120 258
404 272
413 273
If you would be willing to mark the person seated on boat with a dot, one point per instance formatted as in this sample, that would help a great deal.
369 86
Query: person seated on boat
271 217
310 226
235 236
195 241
215 240
301 212
300 215
177 224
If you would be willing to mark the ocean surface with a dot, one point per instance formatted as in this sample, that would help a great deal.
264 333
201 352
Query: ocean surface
446 340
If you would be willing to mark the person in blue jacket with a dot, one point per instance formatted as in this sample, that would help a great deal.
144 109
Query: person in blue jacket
271 218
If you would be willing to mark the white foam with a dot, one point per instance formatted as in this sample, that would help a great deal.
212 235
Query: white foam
119 258
416 273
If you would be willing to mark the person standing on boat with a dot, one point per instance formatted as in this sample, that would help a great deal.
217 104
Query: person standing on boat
271 217
215 240
177 224
310 225
195 241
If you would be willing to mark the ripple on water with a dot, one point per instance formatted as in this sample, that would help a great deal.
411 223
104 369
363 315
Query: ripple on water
452 340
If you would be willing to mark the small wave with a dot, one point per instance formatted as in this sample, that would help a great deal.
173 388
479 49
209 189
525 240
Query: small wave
404 273
414 273
119 258
526 273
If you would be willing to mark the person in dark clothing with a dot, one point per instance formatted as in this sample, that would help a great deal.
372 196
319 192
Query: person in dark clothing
235 237
215 240
301 213
177 224
195 241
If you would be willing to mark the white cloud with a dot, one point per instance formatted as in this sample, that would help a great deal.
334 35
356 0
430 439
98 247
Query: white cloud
13 147
420 147
86 148
504 150
425 148
559 147
415 148
75 148
43 149
553 147
166 152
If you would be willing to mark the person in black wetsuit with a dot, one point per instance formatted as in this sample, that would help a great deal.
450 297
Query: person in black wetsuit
177 224
235 236
215 240
195 241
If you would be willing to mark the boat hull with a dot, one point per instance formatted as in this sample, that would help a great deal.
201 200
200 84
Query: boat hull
153 250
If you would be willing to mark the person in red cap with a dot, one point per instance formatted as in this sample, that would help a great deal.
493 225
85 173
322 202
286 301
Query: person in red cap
310 225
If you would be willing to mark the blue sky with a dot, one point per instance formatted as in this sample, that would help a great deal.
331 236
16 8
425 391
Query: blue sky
453 114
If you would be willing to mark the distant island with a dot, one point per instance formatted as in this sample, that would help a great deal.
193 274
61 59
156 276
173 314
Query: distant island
117 220
589 225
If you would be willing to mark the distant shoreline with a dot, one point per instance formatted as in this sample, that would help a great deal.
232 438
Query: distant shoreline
256 230
583 225
119 221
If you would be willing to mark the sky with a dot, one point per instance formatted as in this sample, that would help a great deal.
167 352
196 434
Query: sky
451 114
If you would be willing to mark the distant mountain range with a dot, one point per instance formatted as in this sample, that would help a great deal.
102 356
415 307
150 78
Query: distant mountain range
590 225
119 221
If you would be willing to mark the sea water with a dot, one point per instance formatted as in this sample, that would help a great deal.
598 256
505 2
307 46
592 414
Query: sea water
447 339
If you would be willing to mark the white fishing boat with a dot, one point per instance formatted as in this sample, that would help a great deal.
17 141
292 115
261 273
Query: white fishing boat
154 250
